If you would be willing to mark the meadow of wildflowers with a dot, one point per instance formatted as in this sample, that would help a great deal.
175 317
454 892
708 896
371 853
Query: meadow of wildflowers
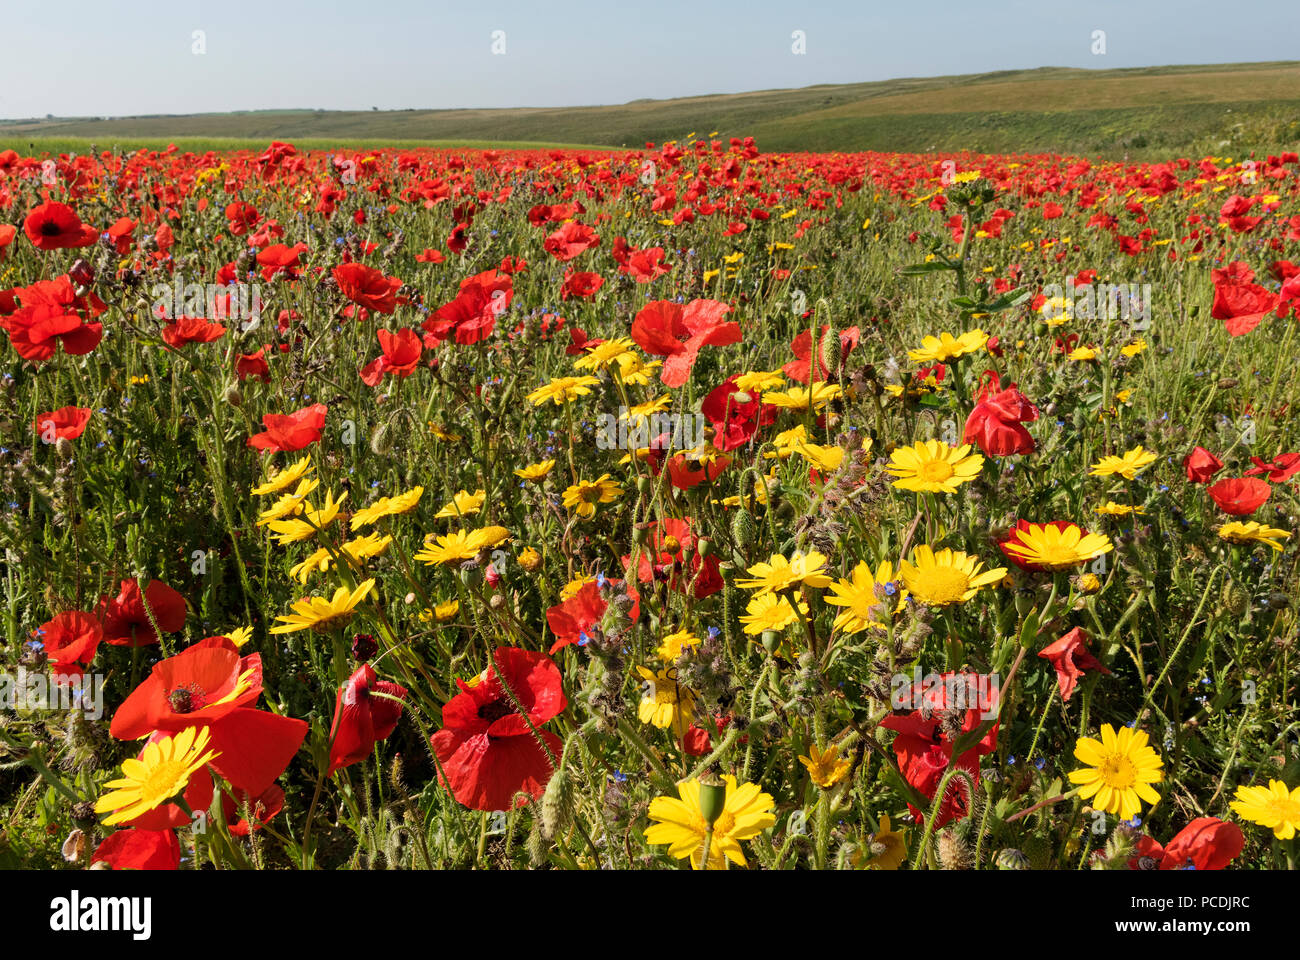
677 507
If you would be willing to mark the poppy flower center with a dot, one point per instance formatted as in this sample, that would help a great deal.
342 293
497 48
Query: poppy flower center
494 711
50 229
187 699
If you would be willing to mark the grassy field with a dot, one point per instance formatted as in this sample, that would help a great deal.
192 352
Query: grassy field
1142 113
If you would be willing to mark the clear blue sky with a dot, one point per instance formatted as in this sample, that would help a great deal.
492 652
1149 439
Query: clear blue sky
88 57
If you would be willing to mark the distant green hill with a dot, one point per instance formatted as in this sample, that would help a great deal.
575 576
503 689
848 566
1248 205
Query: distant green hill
1140 112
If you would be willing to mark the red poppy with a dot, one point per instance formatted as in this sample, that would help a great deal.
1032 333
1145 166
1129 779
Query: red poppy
127 624
1240 303
698 742
1240 496
1201 465
666 329
241 217
995 423
253 365
367 287
185 330
735 420
1207 843
286 432
645 265
360 720
683 476
1281 468
471 317
66 423
262 809
924 745
56 226
209 684
571 620
664 558
139 850
430 256
277 258
485 748
570 240
801 367
401 354
7 234
36 332
580 285
119 234
1070 656
71 639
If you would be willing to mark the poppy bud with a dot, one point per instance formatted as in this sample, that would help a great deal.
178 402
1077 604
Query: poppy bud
643 486
381 443
704 547
744 530
557 804
713 800
1011 859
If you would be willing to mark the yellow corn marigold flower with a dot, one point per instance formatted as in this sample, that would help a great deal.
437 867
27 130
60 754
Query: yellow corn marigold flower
461 545
1134 348
825 768
529 560
931 466
756 381
319 614
946 577
673 644
1052 547
536 472
888 849
770 611
862 608
313 519
679 823
463 504
1082 354
363 548
239 636
946 347
1274 807
562 390
1128 466
1112 509
801 398
318 562
288 505
778 573
1120 770
823 458
161 773
603 354
666 703
585 494
1251 531
636 372
387 507
285 478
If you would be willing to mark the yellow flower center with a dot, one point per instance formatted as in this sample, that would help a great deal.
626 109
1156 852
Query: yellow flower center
590 495
943 585
1118 772
1287 809
934 471
1056 554
162 782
